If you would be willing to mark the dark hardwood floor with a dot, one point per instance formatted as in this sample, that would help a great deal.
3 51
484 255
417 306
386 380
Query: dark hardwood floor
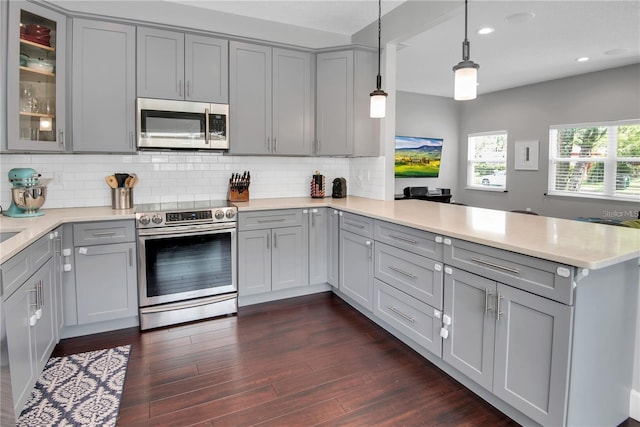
305 361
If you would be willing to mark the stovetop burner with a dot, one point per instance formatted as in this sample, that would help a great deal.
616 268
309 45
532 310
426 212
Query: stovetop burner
168 214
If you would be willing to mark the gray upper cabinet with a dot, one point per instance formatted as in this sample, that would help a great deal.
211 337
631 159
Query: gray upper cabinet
343 126
250 98
172 65
271 89
104 64
36 97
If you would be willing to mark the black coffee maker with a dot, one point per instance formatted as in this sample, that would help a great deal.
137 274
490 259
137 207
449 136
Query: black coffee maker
339 188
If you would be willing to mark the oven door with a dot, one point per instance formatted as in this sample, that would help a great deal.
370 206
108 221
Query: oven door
182 263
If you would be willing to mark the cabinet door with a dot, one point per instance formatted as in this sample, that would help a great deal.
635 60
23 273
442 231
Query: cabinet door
333 247
292 108
160 64
356 268
289 258
106 282
250 98
533 339
20 339
104 93
318 241
36 97
206 69
470 302
334 109
45 327
254 262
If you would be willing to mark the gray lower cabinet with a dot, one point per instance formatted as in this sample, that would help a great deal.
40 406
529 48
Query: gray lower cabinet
104 86
333 246
356 268
513 343
318 244
31 331
105 271
273 251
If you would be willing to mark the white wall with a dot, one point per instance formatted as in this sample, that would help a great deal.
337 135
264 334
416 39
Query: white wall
526 114
434 117
178 176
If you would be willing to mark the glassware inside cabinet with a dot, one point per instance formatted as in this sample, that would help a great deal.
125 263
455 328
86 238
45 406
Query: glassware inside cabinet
37 77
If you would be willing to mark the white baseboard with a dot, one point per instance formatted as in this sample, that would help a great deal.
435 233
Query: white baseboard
634 405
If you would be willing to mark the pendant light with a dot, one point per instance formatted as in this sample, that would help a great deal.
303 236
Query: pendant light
378 96
466 72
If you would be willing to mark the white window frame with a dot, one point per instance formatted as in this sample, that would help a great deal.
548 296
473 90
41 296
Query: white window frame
472 161
609 162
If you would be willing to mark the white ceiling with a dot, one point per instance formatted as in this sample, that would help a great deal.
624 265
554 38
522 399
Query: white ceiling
542 49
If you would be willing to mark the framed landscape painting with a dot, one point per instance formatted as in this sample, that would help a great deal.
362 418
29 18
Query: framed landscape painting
417 157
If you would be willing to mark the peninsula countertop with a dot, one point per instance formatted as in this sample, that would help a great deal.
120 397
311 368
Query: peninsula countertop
570 242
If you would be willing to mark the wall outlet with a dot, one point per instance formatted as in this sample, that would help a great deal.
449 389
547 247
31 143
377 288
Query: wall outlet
58 177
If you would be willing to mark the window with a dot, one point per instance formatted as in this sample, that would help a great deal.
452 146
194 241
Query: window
595 160
487 161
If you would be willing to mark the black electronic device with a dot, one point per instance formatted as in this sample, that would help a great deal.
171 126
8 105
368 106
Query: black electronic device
339 188
410 192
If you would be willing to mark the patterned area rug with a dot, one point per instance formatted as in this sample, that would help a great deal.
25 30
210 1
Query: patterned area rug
78 390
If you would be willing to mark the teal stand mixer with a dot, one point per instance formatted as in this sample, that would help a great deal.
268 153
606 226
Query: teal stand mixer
28 193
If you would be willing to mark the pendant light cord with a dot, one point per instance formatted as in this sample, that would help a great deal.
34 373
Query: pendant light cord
379 78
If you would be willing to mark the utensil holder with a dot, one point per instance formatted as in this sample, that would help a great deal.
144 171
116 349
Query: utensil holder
236 196
121 198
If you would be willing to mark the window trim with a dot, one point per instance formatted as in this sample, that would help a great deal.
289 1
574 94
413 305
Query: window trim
609 192
470 162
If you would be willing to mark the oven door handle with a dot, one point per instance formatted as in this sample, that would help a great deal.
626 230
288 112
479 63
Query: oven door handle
184 231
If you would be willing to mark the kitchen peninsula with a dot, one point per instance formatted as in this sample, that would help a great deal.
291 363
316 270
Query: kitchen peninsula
549 297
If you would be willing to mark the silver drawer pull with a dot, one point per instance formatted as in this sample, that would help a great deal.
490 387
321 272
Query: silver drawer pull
105 233
270 220
353 224
397 270
498 266
487 309
401 314
404 239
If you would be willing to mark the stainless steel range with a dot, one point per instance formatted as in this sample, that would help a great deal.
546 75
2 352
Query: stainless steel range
186 261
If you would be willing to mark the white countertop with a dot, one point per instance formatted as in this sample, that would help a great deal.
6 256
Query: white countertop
575 243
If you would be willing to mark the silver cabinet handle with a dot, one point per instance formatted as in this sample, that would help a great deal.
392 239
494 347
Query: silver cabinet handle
61 137
268 143
179 87
397 270
487 294
269 241
370 246
498 312
353 224
275 144
404 239
35 291
130 257
104 233
188 88
401 314
494 265
132 140
270 220
275 240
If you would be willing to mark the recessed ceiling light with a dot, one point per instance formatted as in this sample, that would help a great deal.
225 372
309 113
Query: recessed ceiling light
520 18
582 59
617 51
485 30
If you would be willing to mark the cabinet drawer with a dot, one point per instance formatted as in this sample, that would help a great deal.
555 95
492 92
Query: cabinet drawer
103 232
545 278
413 274
260 220
411 317
358 224
20 267
417 241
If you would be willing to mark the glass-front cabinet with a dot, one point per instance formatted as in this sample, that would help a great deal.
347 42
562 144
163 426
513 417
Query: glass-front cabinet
35 78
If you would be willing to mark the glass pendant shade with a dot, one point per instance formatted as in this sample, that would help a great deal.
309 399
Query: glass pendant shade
377 108
466 81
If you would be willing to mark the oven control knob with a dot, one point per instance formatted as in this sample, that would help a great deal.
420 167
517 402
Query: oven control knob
231 213
219 214
144 220
157 219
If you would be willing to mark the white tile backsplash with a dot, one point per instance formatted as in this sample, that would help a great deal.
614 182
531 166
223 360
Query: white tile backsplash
179 176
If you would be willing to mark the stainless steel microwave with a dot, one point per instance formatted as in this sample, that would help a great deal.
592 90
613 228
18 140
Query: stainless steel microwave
172 124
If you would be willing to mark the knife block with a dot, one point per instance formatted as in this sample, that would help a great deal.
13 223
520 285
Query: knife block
236 196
